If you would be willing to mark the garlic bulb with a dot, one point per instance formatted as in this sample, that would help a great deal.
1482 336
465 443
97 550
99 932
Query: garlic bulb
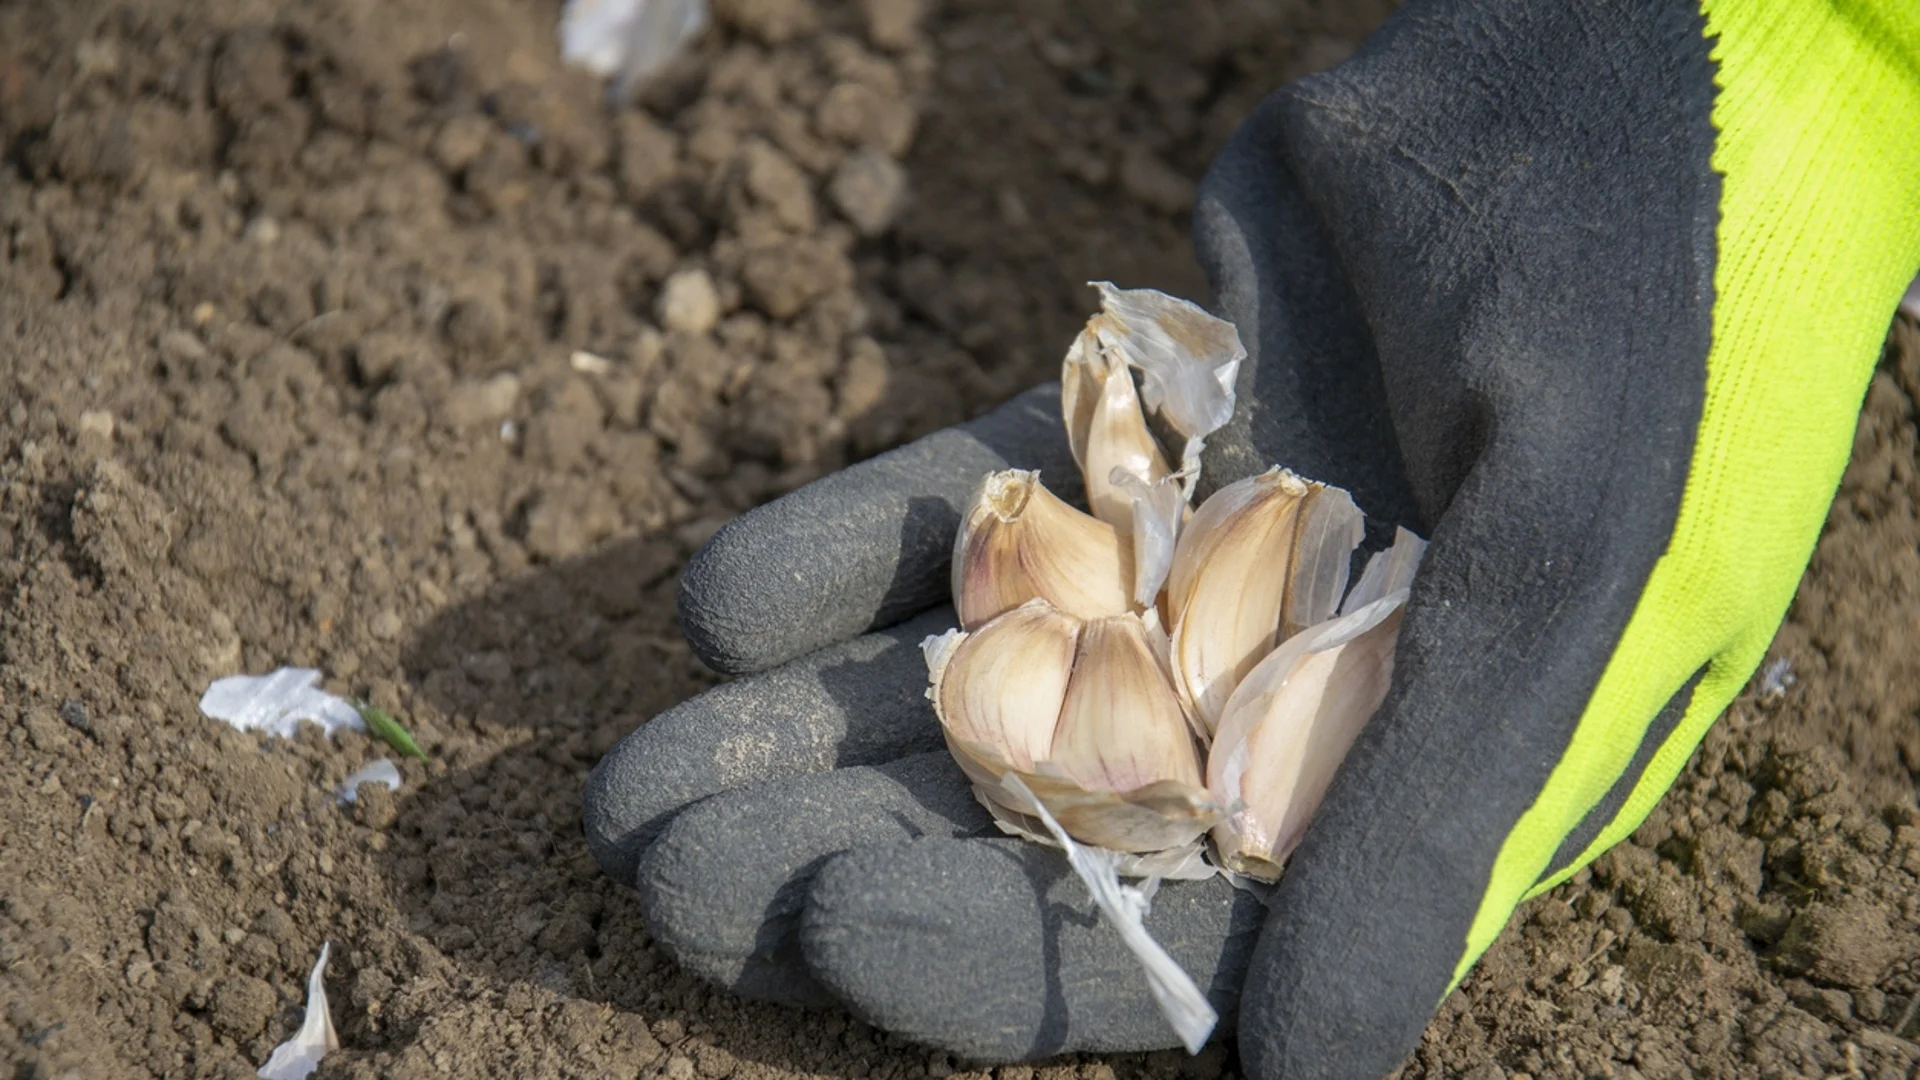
1151 672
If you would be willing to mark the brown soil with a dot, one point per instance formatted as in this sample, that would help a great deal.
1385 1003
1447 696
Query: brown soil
290 302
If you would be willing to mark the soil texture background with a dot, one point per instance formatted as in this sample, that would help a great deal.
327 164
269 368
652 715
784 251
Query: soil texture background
365 337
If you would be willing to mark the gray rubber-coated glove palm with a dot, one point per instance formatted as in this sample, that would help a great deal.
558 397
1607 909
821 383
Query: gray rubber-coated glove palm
1472 267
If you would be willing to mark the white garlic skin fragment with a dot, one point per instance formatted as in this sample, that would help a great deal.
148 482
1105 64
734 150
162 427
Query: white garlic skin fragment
1159 511
299 1056
1020 541
628 39
1188 359
1261 559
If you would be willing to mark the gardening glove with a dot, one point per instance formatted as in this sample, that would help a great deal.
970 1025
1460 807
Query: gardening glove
1589 295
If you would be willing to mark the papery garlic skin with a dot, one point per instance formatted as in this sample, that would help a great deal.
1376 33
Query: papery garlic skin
1020 541
1291 722
1160 510
1188 359
1302 711
1106 429
1261 559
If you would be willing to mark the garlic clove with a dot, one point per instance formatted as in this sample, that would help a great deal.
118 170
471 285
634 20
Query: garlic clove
1287 730
1001 694
1293 719
998 691
1020 541
1261 559
1082 376
1107 429
1122 727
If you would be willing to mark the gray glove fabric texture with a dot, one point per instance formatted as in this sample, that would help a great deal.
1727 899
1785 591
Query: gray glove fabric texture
732 915
860 549
989 948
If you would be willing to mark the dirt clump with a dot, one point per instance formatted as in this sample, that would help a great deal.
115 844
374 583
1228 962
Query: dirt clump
366 337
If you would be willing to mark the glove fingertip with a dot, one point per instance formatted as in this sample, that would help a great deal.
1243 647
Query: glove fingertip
857 703
739 614
620 803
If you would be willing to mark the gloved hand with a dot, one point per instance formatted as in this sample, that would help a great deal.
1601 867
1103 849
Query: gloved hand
1587 296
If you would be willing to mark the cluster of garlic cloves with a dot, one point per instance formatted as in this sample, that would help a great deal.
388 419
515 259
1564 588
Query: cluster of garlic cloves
1082 712
1154 673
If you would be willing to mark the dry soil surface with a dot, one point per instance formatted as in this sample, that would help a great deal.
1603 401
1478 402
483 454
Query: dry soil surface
363 336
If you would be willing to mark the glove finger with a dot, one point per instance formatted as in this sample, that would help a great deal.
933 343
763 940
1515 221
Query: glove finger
861 702
724 885
861 548
992 949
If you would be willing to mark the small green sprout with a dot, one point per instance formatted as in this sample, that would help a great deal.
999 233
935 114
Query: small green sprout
388 729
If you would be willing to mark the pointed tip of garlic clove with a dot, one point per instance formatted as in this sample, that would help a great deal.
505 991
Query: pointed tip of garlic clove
1020 541
1082 374
1106 427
